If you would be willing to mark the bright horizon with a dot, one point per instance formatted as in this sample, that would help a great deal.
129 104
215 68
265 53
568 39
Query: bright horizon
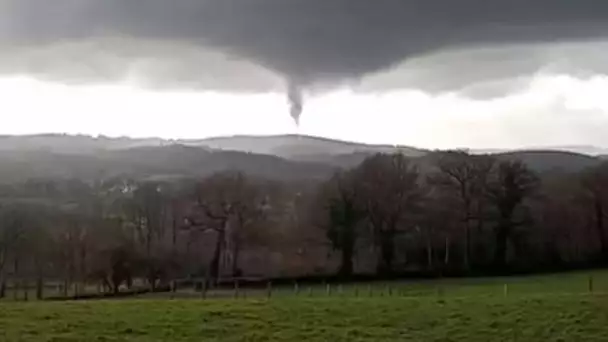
552 110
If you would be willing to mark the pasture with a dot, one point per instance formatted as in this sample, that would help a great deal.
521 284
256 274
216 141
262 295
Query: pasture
566 307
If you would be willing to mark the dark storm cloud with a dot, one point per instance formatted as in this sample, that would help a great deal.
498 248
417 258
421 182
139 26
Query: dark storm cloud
187 42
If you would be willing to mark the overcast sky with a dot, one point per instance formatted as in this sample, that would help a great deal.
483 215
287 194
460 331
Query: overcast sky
435 74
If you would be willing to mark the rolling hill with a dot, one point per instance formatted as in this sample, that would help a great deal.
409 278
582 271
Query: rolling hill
299 147
287 157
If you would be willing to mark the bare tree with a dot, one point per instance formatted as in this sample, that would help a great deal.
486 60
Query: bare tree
340 212
12 233
23 238
390 192
145 206
465 176
513 183
594 182
232 205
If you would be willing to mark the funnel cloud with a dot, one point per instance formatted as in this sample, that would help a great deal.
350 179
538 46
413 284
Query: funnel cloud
258 45
296 101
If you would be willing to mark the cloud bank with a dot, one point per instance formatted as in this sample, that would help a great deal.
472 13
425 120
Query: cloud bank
188 42
478 48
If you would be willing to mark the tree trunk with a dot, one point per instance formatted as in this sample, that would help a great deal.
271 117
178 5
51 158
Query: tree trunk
39 288
66 286
83 269
236 250
174 234
387 252
214 268
429 252
599 226
467 234
2 287
467 246
346 262
2 276
500 252
16 277
446 260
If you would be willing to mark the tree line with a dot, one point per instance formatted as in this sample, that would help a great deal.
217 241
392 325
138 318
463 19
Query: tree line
455 214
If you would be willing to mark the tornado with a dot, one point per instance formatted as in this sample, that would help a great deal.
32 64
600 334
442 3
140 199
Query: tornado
296 101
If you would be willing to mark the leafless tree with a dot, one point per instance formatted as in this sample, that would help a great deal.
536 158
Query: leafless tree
594 182
390 193
511 185
465 176
233 206
339 212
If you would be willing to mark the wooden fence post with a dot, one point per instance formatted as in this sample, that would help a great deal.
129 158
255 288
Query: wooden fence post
328 289
236 289
173 288
506 290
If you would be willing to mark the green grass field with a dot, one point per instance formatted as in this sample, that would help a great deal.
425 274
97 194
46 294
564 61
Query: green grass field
544 308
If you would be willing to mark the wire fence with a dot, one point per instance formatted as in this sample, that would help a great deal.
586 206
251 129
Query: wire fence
203 289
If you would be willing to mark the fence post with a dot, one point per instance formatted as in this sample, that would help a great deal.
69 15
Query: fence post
390 291
236 289
296 288
328 289
269 290
506 290
356 290
310 291
590 284
173 288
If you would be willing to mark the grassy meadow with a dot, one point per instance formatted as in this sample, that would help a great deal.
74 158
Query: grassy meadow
541 308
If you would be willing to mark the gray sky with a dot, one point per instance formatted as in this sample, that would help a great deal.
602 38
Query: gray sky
420 72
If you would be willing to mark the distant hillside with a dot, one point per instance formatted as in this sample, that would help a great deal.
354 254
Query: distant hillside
299 147
151 162
552 160
279 157
72 144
